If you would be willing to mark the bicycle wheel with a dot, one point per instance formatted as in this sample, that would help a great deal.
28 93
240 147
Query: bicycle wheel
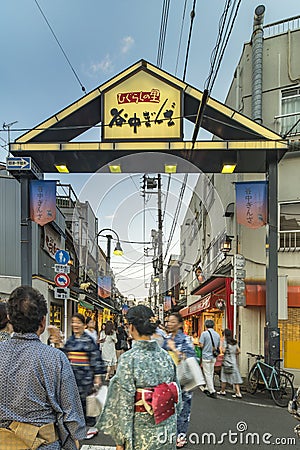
283 391
253 379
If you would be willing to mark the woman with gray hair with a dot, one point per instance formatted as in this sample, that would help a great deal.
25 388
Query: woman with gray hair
209 341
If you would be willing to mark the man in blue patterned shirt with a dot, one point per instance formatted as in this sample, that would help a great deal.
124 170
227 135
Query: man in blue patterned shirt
40 406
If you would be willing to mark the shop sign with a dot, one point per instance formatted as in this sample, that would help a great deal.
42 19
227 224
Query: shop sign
142 107
204 303
106 315
52 241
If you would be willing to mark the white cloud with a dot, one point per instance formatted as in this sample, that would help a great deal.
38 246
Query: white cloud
105 66
126 44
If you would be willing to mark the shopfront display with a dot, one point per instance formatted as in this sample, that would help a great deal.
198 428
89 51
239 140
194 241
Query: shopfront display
56 315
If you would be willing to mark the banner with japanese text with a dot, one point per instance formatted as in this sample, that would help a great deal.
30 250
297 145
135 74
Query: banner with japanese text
42 196
104 287
252 203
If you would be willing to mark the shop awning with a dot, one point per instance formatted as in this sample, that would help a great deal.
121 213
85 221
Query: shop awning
210 285
86 305
184 312
200 305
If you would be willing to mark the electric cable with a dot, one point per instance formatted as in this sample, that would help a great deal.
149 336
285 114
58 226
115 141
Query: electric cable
130 265
230 28
60 46
193 13
163 32
180 37
98 126
178 206
216 60
166 198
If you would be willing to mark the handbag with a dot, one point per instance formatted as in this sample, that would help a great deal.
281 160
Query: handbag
95 402
190 374
215 350
227 365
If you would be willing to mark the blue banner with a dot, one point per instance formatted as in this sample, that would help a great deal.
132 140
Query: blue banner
252 203
104 287
42 196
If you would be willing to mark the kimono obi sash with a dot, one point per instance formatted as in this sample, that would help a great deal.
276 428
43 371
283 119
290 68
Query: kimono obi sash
158 401
24 436
79 359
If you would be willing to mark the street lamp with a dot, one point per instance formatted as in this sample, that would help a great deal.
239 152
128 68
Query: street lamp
226 245
118 249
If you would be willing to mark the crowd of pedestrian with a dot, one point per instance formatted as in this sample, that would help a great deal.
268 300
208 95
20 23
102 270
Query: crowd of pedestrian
145 400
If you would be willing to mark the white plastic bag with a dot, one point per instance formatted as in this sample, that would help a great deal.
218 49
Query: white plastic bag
95 402
190 374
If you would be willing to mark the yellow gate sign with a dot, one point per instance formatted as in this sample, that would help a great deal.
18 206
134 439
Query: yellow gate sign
142 107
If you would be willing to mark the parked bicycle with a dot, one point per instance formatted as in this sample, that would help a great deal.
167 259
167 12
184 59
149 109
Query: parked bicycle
277 381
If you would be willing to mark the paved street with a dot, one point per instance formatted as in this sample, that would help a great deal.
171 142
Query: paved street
231 423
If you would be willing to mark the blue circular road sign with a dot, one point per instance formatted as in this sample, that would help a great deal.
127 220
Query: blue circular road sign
62 257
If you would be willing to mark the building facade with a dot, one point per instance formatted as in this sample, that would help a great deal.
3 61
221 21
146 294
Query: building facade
274 101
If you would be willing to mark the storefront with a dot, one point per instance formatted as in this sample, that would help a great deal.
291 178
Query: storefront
214 304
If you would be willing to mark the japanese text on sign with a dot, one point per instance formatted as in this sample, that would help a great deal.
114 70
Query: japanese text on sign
142 106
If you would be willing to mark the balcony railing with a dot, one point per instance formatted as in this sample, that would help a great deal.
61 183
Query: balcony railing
289 241
282 26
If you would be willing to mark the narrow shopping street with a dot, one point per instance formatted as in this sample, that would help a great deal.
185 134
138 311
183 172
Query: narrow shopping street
253 421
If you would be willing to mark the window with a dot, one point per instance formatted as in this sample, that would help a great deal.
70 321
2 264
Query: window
290 109
289 225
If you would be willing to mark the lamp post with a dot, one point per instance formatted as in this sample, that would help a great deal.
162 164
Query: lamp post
118 249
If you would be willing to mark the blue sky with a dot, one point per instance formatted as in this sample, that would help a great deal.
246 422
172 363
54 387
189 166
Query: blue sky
102 38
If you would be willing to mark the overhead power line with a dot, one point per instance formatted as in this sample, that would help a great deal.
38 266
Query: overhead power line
163 32
175 219
60 46
193 13
216 58
180 37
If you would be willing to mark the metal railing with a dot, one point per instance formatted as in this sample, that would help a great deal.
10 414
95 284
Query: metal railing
282 26
289 241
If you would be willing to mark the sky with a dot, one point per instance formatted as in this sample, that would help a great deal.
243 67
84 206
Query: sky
101 38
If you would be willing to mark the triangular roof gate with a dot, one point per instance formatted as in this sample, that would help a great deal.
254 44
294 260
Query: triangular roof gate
242 140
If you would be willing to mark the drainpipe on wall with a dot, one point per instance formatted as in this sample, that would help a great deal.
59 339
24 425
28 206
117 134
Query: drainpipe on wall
257 63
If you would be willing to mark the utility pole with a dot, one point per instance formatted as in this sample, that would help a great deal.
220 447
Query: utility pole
160 243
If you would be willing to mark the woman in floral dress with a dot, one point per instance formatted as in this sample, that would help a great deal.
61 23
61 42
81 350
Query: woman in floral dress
132 415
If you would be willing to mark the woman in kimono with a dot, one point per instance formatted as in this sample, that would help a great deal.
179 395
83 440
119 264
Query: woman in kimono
84 356
132 414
